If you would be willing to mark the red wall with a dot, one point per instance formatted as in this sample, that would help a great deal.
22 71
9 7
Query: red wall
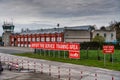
24 40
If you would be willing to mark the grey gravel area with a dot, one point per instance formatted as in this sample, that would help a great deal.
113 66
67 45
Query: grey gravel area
12 75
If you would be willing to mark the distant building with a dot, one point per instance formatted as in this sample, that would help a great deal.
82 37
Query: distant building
109 35
8 29
66 34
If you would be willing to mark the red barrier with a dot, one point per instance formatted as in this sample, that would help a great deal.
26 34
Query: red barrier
112 78
95 76
58 72
12 60
4 59
17 61
34 66
41 69
0 58
81 75
69 74
8 59
49 70
28 65
22 64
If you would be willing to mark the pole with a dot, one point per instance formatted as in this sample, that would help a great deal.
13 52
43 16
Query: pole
0 58
49 52
28 65
58 39
95 76
54 53
41 69
81 73
104 60
64 54
69 74
112 58
34 66
44 52
49 70
58 72
40 52
22 64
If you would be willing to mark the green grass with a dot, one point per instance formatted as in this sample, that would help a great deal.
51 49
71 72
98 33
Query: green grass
91 60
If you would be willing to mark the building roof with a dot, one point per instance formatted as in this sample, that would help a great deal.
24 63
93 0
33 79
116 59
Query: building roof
87 27
57 30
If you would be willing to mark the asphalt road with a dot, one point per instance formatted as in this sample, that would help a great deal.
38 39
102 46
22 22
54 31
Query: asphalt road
11 50
65 70
12 75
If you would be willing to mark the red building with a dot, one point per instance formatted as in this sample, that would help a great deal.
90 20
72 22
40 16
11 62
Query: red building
24 38
66 34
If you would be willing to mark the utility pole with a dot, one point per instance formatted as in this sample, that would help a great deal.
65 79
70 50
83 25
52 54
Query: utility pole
58 39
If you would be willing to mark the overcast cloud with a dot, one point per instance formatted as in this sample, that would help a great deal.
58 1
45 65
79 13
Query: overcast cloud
37 14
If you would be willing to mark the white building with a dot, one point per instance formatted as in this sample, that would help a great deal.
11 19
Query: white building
109 35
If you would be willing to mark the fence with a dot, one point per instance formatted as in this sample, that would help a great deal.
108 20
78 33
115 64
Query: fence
57 71
86 53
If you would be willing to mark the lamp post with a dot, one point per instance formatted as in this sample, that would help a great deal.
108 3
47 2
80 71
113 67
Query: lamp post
58 40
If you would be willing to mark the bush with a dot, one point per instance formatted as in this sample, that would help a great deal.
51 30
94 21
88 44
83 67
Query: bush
96 45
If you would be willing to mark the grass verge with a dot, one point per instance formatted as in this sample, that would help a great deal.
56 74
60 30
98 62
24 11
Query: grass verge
86 62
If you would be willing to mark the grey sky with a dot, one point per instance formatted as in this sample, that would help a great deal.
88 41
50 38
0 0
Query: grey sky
36 14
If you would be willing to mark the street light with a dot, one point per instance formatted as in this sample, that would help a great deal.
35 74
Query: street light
58 39
58 31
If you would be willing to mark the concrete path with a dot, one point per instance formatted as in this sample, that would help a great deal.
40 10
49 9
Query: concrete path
10 50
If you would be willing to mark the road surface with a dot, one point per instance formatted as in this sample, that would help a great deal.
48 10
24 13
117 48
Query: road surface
11 50
64 71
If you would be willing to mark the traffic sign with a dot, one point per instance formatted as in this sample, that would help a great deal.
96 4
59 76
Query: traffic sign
108 49
74 54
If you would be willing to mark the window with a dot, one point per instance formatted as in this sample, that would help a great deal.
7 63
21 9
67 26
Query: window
104 34
12 39
38 39
53 39
58 39
47 39
111 35
18 39
25 39
97 34
33 39
29 39
21 39
18 45
42 39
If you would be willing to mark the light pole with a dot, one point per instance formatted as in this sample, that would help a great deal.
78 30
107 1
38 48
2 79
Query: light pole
58 39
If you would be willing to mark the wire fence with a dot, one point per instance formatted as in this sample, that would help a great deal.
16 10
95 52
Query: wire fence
86 53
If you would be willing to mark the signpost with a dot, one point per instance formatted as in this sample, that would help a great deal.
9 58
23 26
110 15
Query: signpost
73 48
108 49
74 54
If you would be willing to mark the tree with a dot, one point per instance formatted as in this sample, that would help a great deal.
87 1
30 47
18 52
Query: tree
0 39
115 26
99 39
103 28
